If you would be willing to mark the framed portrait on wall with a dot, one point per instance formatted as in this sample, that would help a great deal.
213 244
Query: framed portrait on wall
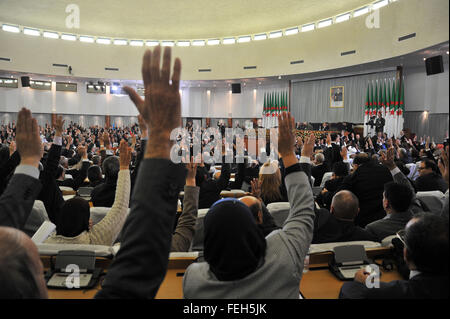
337 97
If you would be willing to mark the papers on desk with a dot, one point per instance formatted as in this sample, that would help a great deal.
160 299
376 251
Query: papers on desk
43 232
67 197
320 248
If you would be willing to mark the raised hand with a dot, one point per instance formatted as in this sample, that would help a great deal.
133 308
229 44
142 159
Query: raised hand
328 139
191 172
308 147
387 159
344 153
286 136
256 188
12 148
161 109
427 143
124 155
444 164
28 141
59 124
105 138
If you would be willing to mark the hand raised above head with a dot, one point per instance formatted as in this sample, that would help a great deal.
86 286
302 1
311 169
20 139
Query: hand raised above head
124 155
161 108
29 144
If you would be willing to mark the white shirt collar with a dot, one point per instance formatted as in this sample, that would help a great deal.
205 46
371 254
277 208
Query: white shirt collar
413 273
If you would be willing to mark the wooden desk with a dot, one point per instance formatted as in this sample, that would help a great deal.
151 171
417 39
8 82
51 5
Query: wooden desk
322 284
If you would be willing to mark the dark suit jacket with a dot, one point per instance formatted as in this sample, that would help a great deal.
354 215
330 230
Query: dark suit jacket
317 172
367 183
210 189
430 182
7 169
421 286
389 225
332 155
17 200
51 195
329 229
141 263
79 178
103 194
332 186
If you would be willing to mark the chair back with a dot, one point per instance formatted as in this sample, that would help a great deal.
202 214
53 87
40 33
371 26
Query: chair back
326 177
433 200
279 212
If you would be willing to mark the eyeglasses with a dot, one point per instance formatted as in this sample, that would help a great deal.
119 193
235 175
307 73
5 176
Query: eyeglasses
401 235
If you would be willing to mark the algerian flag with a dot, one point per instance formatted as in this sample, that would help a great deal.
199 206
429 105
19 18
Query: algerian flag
366 110
401 109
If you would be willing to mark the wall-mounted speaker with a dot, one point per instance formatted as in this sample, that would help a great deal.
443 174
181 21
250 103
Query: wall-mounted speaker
236 88
434 65
25 81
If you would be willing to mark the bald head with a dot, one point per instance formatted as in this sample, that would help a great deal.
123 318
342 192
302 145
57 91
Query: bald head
345 205
21 272
255 206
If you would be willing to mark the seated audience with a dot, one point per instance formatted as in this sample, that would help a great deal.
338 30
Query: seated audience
397 200
73 225
211 188
426 253
338 224
430 178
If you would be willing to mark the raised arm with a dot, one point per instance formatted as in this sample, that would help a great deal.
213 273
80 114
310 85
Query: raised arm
141 263
106 231
17 200
184 232
298 228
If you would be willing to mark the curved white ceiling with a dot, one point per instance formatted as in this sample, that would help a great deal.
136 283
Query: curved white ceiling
173 19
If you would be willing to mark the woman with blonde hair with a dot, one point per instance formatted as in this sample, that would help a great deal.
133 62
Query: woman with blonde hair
269 187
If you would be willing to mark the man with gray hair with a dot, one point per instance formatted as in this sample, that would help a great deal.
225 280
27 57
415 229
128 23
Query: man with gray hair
338 224
319 168
21 270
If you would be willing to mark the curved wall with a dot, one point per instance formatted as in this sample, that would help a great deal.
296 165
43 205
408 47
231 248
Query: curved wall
320 49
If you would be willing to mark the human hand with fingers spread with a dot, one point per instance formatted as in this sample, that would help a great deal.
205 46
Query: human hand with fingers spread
142 126
444 164
256 188
161 108
29 144
59 124
191 172
387 159
124 155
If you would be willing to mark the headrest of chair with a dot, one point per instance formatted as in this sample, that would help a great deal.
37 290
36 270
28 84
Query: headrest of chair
438 194
386 242
277 206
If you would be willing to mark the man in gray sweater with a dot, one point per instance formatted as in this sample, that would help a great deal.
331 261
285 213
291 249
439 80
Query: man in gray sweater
272 267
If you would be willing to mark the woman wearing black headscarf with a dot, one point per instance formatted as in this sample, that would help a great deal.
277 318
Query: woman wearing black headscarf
239 261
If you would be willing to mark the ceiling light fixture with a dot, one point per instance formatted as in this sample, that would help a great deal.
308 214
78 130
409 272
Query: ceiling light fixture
167 44
213 42
308 27
291 31
103 41
361 11
183 43
32 32
86 39
120 42
229 41
68 37
10 28
137 43
380 4
198 43
51 35
275 34
244 39
152 43
259 37
343 17
325 23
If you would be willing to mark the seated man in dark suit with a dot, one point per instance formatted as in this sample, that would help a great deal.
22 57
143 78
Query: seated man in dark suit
426 253
210 188
94 175
367 183
262 216
333 151
319 168
338 224
340 171
397 199
429 178
103 194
